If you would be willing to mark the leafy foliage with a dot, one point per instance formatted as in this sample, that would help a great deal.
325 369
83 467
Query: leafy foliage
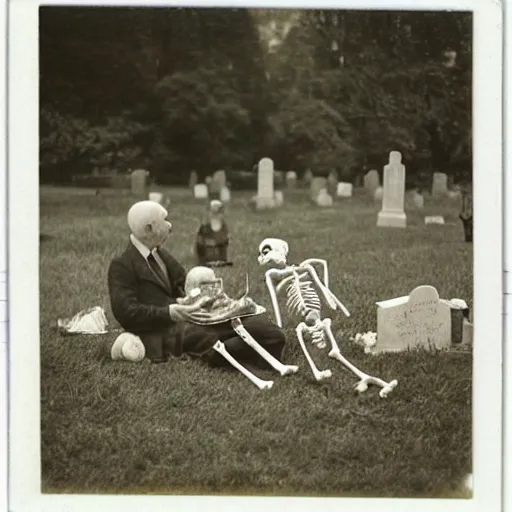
202 122
71 142
221 88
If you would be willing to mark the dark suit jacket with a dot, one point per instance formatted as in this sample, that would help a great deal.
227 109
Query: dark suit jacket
139 301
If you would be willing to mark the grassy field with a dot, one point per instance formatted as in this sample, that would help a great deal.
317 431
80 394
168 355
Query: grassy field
184 428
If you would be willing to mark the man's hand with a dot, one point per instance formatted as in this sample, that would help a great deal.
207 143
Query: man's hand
190 313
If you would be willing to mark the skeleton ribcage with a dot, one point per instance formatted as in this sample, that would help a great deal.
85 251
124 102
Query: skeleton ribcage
302 297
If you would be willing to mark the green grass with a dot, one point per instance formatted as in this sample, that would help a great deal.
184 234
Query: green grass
184 428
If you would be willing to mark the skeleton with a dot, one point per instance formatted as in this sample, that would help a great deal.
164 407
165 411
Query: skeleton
303 300
201 282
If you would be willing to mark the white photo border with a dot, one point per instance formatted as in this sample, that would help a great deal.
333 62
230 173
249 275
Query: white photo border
23 267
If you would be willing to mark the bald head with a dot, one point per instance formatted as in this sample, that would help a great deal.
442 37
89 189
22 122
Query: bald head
147 222
197 276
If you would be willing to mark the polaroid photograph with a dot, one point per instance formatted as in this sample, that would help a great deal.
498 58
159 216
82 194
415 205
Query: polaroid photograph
339 167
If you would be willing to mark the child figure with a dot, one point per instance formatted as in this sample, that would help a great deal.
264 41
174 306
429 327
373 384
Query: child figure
213 238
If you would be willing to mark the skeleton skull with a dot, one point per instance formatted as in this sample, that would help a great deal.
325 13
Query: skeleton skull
273 251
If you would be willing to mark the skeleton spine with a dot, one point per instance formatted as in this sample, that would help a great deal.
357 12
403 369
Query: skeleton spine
302 297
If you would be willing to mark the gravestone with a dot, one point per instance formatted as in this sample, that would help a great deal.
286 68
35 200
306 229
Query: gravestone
225 194
344 189
192 180
201 191
372 181
307 178
439 184
324 199
140 183
291 179
378 194
418 320
434 219
332 183
317 184
279 197
392 213
265 198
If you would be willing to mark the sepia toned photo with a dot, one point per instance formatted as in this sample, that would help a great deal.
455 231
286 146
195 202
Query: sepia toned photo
256 252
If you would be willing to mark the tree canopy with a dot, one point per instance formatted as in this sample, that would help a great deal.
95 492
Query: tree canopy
177 89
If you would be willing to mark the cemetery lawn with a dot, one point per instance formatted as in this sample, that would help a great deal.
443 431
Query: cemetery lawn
184 428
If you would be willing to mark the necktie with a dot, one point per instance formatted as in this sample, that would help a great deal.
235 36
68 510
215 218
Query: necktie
155 267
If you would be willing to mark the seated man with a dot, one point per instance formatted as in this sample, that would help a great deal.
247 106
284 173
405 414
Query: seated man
144 284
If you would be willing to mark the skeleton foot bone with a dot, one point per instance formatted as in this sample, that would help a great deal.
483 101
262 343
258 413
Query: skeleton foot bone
283 369
366 379
260 383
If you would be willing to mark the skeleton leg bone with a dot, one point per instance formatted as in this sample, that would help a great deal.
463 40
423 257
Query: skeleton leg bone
260 383
283 369
319 375
366 379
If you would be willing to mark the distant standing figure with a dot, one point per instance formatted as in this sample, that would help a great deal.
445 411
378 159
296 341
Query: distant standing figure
212 239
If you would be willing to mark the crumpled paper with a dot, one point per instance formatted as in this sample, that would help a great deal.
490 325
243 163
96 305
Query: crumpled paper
89 321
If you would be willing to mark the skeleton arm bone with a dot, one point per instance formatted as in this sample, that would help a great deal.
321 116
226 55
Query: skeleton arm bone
331 299
324 265
269 279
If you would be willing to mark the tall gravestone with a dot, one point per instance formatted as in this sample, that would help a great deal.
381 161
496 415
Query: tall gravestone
392 213
140 183
265 198
371 181
439 184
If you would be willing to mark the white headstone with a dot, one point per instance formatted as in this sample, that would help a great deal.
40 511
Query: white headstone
317 183
279 197
439 184
434 219
392 213
378 194
344 189
418 320
324 199
157 197
225 195
265 197
201 191
371 181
